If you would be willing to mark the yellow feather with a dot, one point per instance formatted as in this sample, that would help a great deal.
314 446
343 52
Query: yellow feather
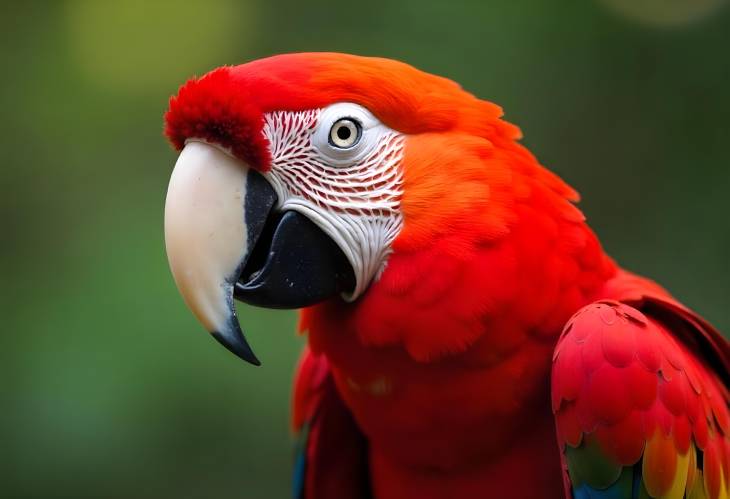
698 491
723 487
676 491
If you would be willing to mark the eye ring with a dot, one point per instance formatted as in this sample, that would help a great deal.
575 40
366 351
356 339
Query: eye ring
345 133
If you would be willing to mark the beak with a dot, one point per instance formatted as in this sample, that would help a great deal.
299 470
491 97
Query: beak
224 237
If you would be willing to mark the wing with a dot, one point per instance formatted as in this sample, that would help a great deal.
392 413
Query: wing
640 400
331 456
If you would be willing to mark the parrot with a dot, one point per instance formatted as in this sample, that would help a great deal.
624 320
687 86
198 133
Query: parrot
467 336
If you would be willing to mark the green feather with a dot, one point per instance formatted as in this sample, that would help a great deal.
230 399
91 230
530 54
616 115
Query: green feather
588 464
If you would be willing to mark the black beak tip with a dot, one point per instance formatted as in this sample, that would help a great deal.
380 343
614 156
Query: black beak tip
237 345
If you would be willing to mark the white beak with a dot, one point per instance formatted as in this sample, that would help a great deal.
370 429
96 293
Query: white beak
207 239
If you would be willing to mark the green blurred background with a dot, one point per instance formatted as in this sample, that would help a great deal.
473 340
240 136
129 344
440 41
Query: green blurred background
111 389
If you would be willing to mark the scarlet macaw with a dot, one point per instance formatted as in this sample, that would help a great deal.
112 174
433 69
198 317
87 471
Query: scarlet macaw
467 334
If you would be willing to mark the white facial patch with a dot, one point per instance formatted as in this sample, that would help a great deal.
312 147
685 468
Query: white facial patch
351 193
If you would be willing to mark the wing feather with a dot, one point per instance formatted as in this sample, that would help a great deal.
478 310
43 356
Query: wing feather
331 459
641 402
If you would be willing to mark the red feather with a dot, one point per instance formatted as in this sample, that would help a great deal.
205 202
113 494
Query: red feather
443 366
334 449
646 398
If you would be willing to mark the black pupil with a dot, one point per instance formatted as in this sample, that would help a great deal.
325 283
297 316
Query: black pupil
343 132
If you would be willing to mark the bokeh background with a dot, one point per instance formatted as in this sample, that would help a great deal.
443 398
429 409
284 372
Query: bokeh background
108 386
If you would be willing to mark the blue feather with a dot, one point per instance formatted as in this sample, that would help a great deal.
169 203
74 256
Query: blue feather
638 478
300 464
626 483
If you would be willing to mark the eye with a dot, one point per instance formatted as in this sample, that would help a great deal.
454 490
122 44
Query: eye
345 133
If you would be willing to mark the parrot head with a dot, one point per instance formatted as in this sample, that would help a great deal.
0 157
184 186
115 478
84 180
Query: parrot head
302 177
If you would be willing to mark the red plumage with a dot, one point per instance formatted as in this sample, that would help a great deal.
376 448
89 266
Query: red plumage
640 390
334 457
436 383
215 109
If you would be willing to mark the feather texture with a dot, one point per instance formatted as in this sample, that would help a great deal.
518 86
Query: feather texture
436 382
632 399
331 454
